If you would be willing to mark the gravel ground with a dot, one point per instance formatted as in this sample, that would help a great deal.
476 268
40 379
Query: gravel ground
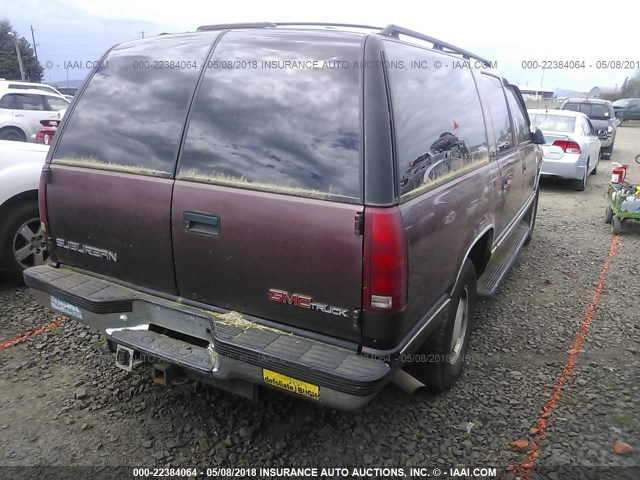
65 403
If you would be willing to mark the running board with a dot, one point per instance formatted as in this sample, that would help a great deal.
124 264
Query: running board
502 261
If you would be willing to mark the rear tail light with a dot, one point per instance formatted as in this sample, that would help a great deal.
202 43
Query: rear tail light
385 261
45 177
567 146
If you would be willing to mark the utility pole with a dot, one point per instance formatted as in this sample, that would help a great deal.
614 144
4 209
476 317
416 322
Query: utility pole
33 38
15 41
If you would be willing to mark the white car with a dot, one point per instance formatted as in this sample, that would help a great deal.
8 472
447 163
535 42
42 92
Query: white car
20 85
22 109
572 146
21 238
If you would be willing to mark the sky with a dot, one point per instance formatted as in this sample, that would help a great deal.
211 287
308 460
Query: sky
74 32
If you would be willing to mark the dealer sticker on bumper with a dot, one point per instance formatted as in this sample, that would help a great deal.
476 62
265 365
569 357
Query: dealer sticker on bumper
290 384
65 307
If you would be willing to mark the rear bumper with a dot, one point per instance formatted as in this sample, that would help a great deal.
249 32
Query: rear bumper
564 169
210 344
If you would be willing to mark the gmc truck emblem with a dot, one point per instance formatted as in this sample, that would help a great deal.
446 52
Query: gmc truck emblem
304 301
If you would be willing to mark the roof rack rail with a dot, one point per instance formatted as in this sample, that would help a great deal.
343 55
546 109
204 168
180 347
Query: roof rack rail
323 24
225 26
394 31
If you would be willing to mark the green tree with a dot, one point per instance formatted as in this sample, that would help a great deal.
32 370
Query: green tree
9 67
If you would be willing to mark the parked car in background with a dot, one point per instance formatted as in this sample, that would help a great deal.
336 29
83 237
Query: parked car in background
47 131
19 85
22 110
22 241
572 147
68 91
318 231
602 116
627 109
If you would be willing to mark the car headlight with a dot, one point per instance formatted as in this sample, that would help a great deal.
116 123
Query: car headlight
609 129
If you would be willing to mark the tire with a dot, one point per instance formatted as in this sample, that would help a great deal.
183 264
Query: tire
616 226
531 217
21 241
446 348
608 215
605 153
619 121
12 133
580 185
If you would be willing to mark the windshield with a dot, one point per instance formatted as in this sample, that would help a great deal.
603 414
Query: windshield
553 123
626 102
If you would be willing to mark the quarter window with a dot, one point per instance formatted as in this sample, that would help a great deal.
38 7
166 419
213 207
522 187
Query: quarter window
439 128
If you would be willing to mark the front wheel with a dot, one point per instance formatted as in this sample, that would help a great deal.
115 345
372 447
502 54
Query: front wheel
22 243
616 226
608 215
445 350
530 218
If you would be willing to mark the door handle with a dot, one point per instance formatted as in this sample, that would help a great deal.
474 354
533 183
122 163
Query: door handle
18 114
202 223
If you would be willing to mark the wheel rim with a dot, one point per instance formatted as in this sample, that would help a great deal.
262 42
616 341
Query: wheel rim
29 247
460 324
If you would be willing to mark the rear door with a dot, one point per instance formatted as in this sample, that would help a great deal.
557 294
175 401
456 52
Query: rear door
269 183
109 198
29 110
592 138
526 148
505 150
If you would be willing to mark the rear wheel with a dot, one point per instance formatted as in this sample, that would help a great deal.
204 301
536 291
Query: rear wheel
11 133
22 243
608 215
580 185
445 350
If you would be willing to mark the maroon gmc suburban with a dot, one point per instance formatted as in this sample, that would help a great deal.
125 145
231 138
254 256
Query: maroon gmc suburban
309 208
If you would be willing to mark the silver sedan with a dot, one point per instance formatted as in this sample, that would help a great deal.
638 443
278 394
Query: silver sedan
572 147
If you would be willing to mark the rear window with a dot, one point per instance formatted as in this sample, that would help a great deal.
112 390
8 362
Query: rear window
553 123
439 128
279 111
131 115
591 110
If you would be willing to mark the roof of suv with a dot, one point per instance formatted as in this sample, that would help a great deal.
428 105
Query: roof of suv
587 100
393 31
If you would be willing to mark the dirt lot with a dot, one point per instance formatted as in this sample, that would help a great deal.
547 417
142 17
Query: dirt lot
64 403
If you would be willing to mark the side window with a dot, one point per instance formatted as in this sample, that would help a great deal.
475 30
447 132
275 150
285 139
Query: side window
439 127
56 104
591 130
28 101
493 93
585 127
523 134
8 101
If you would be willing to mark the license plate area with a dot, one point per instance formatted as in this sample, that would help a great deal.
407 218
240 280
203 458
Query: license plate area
65 307
290 384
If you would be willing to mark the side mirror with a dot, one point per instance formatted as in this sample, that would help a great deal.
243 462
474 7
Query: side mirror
538 137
